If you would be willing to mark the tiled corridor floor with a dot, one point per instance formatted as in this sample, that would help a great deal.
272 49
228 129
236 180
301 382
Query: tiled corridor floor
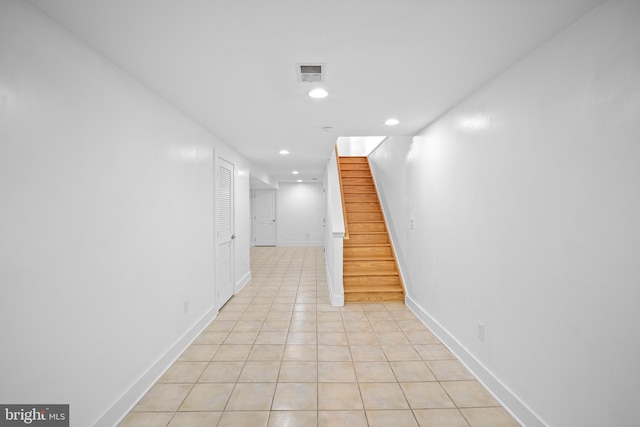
278 354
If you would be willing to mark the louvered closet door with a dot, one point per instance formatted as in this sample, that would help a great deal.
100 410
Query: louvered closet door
224 231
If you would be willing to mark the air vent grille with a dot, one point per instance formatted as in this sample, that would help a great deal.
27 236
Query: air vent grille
310 73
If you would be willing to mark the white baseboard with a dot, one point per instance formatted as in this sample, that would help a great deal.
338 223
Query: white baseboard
242 282
336 300
516 407
130 398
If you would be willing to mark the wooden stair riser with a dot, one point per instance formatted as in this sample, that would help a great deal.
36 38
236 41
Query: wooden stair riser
367 251
373 297
361 197
355 173
359 239
362 207
357 180
353 159
368 266
358 189
355 170
367 227
377 288
353 217
361 282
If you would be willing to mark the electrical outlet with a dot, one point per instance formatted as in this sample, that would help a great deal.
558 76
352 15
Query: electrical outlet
481 331
412 224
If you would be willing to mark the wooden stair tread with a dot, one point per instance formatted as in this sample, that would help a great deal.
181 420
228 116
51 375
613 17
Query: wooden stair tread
367 233
355 197
378 288
369 206
360 190
367 256
372 273
374 296
368 245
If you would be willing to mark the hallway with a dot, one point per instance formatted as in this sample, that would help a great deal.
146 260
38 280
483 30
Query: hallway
278 354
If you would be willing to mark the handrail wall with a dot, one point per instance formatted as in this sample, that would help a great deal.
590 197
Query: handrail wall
344 206
334 232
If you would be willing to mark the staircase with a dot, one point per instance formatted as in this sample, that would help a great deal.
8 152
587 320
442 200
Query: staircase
370 271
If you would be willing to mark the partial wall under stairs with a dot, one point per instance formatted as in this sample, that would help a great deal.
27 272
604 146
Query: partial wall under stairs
370 269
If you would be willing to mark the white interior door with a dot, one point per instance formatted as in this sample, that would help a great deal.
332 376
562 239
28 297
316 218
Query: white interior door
224 231
264 217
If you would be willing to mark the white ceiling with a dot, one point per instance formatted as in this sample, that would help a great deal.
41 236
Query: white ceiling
230 64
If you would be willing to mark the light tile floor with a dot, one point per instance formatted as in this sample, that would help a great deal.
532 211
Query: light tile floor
278 354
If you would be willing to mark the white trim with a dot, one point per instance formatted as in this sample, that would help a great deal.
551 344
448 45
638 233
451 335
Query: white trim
242 282
507 398
336 300
116 413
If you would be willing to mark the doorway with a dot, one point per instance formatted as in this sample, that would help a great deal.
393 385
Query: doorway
264 218
224 229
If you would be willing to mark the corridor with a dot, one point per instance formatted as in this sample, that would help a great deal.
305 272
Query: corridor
278 354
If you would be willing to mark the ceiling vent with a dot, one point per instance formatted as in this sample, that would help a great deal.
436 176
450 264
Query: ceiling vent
310 73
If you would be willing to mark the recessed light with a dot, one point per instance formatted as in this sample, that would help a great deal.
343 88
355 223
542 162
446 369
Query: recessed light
295 172
284 152
475 122
318 93
391 122
299 180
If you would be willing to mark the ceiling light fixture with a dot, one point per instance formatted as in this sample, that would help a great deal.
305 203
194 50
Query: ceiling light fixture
299 180
295 172
391 122
284 152
318 93
476 122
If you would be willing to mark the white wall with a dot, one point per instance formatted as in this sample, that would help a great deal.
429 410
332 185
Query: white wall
299 214
106 224
526 199
358 146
